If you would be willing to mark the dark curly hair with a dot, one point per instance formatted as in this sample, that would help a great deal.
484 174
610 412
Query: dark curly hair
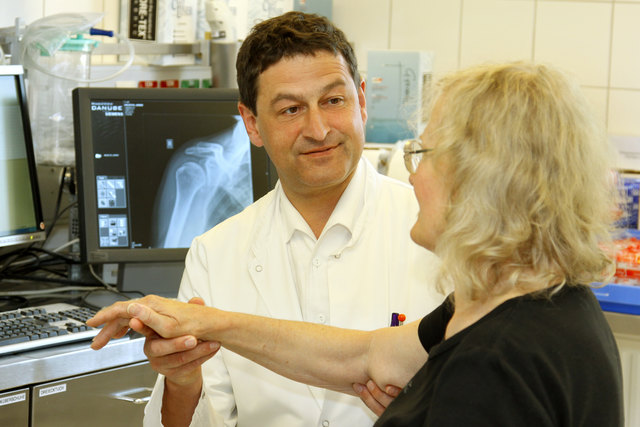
285 36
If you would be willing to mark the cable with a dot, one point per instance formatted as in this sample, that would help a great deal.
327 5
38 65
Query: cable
12 302
9 277
41 292
38 259
58 199
69 243
99 279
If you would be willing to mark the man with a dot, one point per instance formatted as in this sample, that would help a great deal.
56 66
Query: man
330 244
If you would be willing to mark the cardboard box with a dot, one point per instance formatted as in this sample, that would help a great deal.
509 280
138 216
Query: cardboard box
162 21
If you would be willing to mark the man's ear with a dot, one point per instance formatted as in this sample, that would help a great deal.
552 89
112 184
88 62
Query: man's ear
250 124
362 101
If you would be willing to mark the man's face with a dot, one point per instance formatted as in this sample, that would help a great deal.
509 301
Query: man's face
310 119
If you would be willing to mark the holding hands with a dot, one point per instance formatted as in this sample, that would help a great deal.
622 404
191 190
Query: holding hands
180 337
170 347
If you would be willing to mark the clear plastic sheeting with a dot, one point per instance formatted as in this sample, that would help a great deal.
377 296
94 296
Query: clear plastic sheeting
48 54
45 36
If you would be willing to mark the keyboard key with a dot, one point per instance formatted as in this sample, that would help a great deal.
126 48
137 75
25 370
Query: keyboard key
14 340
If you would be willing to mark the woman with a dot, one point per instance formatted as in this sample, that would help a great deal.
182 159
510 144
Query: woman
511 176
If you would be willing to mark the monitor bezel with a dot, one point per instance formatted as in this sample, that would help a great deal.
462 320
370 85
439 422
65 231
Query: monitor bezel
263 172
17 71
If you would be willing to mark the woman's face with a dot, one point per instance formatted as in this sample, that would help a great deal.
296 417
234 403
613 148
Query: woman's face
432 191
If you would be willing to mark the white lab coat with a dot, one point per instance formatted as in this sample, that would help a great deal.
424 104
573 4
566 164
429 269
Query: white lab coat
242 265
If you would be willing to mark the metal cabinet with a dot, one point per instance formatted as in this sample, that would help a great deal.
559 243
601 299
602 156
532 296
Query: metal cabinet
14 408
114 397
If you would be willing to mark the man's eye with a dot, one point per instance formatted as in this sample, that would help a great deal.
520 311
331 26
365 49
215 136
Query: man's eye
291 110
335 101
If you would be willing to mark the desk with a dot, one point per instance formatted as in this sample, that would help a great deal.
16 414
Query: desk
71 384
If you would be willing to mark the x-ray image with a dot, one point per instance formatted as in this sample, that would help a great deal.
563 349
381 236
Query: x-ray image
207 180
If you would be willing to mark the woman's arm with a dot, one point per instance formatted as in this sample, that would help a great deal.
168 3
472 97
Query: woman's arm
314 354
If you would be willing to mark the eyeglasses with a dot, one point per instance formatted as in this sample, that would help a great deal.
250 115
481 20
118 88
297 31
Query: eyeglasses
413 153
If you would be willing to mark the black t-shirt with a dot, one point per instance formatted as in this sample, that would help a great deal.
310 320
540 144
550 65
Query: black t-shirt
534 360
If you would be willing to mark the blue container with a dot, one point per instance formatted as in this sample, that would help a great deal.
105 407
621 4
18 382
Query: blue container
619 298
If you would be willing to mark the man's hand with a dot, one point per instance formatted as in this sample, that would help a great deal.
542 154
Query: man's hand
178 359
376 399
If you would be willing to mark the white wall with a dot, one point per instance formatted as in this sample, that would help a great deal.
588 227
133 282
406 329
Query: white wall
597 40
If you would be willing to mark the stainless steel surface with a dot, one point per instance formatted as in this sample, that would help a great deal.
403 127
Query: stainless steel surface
14 408
68 360
93 399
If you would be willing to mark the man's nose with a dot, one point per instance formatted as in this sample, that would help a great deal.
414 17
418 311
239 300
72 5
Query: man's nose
316 126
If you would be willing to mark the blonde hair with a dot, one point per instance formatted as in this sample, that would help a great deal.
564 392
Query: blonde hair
531 201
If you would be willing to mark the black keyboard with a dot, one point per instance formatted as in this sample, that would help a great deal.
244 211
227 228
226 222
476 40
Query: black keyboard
43 326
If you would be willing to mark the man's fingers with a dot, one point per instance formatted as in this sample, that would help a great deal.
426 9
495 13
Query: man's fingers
163 347
381 397
141 328
193 364
368 399
169 357
392 391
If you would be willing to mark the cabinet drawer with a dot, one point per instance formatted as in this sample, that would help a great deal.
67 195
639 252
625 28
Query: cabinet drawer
115 397
14 408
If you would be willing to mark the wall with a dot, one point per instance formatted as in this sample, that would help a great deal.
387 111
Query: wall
597 40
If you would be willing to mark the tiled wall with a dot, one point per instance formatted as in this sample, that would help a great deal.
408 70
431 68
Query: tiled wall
597 40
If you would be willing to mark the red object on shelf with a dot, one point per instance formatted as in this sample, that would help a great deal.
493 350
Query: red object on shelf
627 261
147 83
170 83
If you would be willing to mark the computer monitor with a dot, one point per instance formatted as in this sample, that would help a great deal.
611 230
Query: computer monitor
20 210
157 167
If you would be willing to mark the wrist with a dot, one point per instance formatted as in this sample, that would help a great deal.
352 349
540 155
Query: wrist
212 325
183 386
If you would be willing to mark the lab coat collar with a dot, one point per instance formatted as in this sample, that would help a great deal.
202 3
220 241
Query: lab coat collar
269 265
345 214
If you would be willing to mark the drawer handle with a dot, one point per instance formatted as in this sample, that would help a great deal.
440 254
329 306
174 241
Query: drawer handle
137 396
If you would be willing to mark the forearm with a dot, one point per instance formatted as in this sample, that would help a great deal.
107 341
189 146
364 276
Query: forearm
179 403
314 354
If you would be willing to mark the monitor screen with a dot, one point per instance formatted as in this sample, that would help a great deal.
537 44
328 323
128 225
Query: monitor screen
20 210
157 167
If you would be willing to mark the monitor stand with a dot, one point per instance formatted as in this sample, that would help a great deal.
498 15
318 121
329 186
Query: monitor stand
161 278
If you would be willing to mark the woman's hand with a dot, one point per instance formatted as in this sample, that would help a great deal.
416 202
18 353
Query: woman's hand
167 317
